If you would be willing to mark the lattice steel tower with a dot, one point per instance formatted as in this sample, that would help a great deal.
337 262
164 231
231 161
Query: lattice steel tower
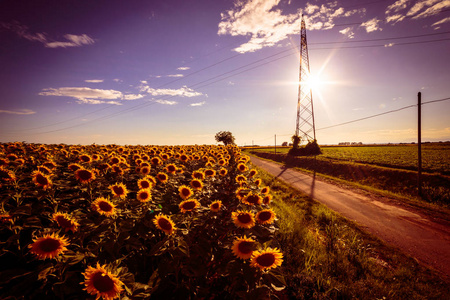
305 128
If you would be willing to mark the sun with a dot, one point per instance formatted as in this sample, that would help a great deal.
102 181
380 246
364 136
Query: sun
314 82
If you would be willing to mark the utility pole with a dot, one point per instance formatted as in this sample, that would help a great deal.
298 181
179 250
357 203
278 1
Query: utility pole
275 144
305 127
419 143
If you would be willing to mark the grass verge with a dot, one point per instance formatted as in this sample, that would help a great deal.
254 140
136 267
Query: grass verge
328 257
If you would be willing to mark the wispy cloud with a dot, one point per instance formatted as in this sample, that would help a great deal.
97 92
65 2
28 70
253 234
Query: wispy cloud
181 92
90 96
166 102
198 103
18 112
348 32
397 11
71 40
267 25
94 80
183 68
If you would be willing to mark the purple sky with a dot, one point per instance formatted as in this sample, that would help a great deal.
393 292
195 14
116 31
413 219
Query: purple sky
179 71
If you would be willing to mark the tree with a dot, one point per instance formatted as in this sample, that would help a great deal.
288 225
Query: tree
226 137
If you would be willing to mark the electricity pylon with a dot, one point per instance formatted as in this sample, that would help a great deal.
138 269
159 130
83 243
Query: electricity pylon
305 128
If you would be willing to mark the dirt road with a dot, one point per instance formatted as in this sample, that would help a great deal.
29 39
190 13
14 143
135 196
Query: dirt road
413 233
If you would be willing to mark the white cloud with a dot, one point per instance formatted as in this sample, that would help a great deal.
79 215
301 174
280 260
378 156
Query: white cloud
117 80
198 103
372 25
72 40
175 75
18 112
94 80
166 102
348 32
389 45
132 97
266 25
90 96
181 92
183 68
261 20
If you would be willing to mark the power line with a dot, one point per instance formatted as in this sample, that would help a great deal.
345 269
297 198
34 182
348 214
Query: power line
382 114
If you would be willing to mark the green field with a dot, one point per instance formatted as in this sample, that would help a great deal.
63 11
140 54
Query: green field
435 156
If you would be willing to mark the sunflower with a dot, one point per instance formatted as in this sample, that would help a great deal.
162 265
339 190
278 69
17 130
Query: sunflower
215 206
84 175
171 168
185 192
41 180
114 160
184 157
267 198
189 205
198 175
49 164
164 223
241 193
156 161
119 190
85 158
243 247
48 246
223 172
145 183
65 221
145 170
266 259
6 175
74 167
258 182
196 184
222 162
162 177
252 199
252 173
243 219
103 167
265 190
104 207
44 170
242 167
144 195
210 172
265 216
98 281
240 178
164 156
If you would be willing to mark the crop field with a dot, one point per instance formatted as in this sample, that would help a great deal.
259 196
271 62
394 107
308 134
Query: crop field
435 156
136 222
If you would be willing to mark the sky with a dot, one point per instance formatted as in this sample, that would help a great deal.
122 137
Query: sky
176 72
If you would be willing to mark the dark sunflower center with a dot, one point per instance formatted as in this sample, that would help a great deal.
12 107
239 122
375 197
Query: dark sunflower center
115 160
209 173
85 158
49 245
188 205
145 184
244 218
245 247
145 170
118 190
144 195
196 184
254 199
265 215
41 179
164 224
84 174
215 206
63 222
185 192
102 282
266 260
105 206
171 168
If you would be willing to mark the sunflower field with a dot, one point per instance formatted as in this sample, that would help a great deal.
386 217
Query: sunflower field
135 222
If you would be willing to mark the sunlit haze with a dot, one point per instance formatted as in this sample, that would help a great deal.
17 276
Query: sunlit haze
177 72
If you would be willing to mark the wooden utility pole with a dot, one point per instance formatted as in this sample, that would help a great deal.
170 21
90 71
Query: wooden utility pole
419 142
275 144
